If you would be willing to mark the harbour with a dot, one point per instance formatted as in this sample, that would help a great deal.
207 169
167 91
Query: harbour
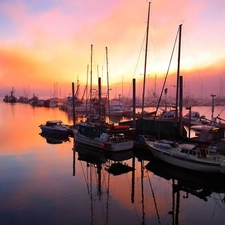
43 182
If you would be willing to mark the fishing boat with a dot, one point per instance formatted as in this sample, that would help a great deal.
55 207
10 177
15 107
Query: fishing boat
95 132
56 127
79 106
188 156
102 136
10 98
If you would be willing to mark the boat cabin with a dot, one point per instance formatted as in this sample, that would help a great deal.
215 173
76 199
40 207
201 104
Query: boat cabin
200 153
53 122
91 130
119 137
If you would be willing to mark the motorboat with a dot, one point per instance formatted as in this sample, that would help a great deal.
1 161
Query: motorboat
53 103
189 156
191 117
77 105
168 115
56 127
114 109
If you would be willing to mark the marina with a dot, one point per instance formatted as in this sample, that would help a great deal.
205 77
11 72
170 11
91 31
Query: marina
140 137
45 181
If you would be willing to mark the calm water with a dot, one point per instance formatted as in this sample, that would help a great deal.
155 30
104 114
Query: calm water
44 183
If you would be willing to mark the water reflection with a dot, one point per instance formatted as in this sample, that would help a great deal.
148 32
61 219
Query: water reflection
101 168
54 138
214 182
201 185
113 162
97 167
61 183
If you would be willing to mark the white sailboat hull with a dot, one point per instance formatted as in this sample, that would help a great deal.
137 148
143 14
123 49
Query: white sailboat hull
193 163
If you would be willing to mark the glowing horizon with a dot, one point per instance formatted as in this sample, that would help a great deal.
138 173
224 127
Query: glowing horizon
44 43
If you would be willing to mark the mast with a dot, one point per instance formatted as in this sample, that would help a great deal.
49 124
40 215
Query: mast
107 80
181 106
86 88
178 73
145 65
78 89
212 117
91 80
99 97
73 98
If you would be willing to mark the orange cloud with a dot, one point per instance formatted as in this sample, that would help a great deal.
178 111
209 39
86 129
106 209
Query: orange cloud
53 45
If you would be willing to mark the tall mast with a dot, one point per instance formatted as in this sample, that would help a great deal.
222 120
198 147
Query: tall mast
107 80
86 88
178 73
91 79
146 50
99 97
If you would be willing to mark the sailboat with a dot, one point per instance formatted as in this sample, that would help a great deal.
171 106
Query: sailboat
158 128
96 133
186 155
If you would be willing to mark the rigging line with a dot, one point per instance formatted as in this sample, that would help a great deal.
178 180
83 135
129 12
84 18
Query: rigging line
218 198
217 105
193 57
219 102
218 203
222 109
89 192
129 184
167 73
85 178
153 195
139 56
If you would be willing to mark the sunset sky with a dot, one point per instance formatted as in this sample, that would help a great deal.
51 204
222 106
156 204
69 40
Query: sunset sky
47 44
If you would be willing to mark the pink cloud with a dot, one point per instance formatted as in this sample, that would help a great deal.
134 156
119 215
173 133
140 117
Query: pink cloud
55 43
